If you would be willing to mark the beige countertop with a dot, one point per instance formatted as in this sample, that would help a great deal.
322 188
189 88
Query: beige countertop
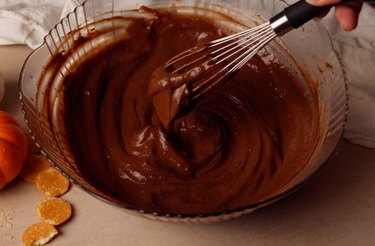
336 208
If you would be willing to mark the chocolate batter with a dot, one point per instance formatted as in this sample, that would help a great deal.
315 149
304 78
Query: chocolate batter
237 145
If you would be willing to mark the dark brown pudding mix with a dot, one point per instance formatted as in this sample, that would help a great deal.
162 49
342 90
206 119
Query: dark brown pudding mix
239 144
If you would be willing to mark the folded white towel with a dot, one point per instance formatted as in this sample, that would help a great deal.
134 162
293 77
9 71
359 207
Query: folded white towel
27 22
357 52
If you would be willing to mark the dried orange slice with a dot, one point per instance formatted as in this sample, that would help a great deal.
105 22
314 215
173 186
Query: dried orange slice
52 183
33 166
54 211
38 234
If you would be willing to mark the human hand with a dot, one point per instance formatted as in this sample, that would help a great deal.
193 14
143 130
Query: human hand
347 13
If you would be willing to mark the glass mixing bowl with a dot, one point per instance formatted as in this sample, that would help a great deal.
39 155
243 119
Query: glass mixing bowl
307 52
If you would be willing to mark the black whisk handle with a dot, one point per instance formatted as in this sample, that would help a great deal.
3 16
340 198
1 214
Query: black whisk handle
296 15
301 12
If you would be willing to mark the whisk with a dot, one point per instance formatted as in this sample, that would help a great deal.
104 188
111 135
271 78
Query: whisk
192 73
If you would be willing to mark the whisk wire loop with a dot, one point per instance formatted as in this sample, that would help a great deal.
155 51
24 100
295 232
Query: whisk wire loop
192 73
220 58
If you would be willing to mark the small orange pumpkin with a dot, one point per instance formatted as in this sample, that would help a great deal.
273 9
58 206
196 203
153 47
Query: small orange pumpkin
13 148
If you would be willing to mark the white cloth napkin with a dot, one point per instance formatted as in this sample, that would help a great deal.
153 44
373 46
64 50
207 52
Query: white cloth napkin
357 51
28 21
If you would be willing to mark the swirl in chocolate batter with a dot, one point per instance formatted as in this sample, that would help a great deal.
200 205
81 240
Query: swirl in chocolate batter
238 145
